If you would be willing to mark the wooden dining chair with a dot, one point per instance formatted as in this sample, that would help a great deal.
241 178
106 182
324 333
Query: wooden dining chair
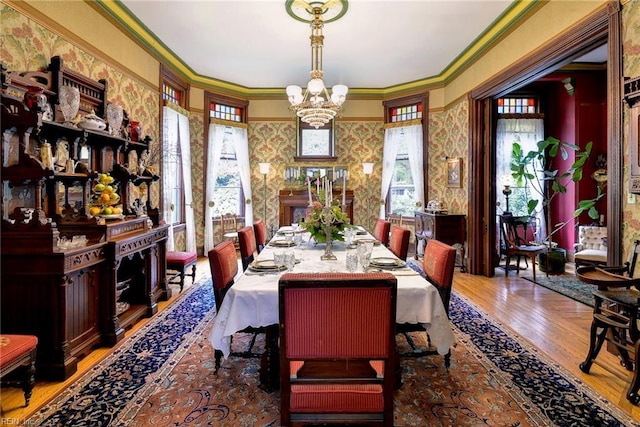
516 235
260 231
223 262
337 348
438 265
248 247
381 231
399 241
229 228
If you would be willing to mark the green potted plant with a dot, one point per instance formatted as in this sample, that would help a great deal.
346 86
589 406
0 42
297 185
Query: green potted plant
539 174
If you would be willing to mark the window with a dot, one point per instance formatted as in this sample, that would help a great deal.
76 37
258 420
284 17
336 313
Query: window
517 105
227 195
172 177
405 129
228 190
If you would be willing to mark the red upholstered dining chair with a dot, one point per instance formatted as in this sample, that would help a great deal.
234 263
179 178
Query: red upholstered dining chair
248 247
399 241
223 262
381 231
438 265
260 231
337 348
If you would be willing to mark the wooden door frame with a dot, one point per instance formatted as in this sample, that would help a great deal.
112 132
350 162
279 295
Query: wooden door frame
604 26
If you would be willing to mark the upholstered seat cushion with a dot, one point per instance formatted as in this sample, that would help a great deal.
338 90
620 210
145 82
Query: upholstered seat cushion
333 398
592 245
592 255
13 347
181 259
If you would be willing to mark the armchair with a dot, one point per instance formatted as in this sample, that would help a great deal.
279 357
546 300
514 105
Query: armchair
592 246
336 362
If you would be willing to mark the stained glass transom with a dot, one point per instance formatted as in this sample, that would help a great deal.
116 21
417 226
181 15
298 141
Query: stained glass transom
171 94
225 112
403 114
517 106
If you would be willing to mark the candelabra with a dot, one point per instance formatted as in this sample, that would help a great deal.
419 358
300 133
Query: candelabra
328 221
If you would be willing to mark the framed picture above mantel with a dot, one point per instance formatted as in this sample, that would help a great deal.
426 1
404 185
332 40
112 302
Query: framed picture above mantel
315 144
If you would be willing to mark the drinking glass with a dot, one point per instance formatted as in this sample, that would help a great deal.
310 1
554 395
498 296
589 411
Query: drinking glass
289 260
288 236
297 239
352 261
278 259
364 259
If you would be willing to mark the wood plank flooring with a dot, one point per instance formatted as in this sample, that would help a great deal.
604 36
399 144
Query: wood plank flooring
558 326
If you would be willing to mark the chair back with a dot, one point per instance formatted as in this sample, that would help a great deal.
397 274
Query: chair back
224 267
248 247
337 347
260 231
399 241
438 264
381 231
395 219
229 226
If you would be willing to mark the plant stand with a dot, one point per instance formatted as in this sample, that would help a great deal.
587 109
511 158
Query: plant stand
553 262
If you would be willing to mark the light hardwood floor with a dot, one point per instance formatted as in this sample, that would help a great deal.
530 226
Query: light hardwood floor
556 325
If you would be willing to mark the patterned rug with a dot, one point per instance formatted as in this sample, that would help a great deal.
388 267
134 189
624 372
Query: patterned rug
163 376
568 285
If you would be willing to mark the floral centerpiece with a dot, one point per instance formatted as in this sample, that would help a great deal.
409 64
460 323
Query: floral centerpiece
316 220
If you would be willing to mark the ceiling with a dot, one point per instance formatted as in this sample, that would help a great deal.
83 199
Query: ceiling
376 44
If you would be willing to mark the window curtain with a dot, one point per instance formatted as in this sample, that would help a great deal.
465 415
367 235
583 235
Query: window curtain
413 136
527 133
216 138
241 144
169 139
392 137
185 156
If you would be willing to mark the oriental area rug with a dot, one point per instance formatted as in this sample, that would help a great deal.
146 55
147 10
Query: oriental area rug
568 285
163 375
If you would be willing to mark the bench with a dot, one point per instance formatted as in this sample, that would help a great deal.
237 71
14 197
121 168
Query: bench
18 362
177 264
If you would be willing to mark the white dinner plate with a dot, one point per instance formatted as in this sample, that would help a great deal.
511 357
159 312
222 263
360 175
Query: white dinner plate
387 262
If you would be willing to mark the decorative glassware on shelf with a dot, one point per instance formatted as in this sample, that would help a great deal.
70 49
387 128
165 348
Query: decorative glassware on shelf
69 101
115 116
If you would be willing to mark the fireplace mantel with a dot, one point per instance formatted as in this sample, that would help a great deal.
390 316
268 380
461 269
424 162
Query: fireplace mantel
293 204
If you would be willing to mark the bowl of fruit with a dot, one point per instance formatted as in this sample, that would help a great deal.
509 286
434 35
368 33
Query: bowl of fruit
105 199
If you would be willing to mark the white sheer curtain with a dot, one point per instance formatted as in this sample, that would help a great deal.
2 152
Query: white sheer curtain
241 144
216 137
169 139
389 153
413 136
185 157
527 133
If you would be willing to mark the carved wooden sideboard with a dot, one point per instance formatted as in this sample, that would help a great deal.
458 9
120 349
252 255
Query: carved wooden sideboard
72 297
449 229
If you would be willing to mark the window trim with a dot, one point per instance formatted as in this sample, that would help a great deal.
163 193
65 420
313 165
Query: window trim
243 104
169 78
423 99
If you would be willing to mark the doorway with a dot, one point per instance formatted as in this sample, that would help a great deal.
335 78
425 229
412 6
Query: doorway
599 29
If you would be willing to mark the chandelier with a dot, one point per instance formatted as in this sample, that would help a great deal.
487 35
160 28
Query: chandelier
315 106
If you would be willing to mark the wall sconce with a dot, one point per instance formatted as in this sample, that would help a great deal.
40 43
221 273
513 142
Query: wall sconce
264 170
367 168
569 85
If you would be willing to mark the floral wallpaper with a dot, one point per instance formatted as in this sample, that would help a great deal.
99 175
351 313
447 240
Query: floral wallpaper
275 142
630 68
448 138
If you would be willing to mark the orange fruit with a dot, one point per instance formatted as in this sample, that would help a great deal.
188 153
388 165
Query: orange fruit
105 197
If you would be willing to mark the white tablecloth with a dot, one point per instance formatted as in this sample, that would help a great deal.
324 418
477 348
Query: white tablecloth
253 298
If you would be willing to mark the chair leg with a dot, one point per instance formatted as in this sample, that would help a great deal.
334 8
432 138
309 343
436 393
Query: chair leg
181 280
29 379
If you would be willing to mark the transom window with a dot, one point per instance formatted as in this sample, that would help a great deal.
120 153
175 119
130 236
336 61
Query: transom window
226 112
517 105
403 114
171 94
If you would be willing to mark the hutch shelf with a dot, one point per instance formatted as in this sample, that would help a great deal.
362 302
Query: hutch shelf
73 279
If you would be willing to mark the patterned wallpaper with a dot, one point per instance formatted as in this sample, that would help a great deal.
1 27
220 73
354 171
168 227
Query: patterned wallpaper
631 68
26 45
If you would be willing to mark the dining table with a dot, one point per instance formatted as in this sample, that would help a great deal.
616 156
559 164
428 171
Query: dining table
252 300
